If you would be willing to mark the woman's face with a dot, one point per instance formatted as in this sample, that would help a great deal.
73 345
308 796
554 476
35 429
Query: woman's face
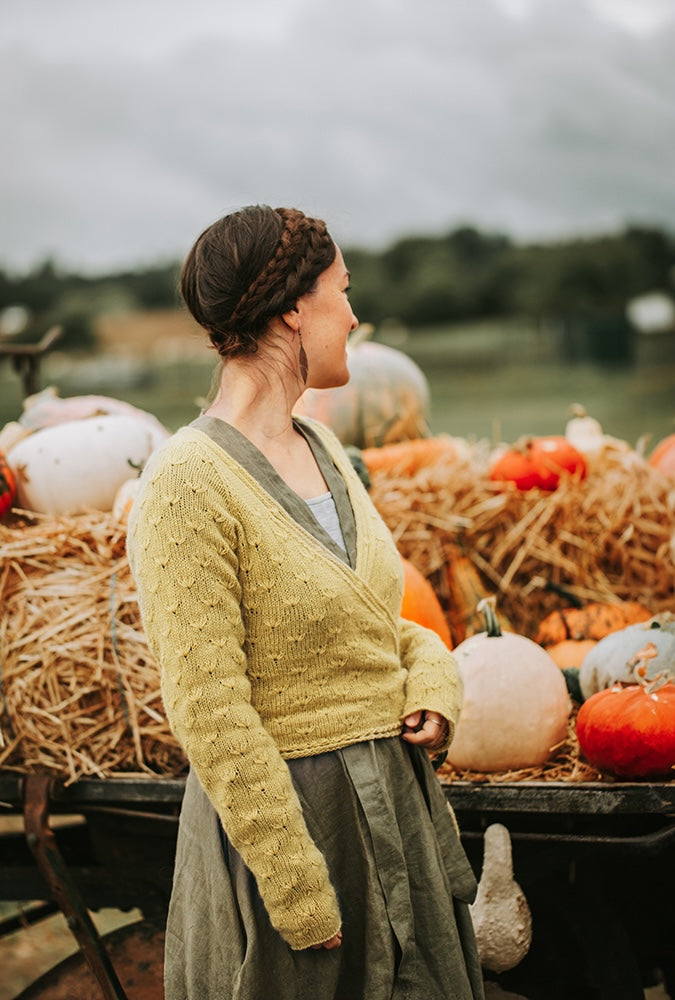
326 320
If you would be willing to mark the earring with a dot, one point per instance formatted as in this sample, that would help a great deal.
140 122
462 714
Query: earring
304 367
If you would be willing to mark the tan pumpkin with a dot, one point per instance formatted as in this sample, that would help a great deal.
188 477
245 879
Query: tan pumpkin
386 399
500 913
591 621
516 706
584 432
571 652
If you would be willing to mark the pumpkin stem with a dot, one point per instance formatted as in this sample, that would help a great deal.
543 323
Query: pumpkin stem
488 606
657 682
640 664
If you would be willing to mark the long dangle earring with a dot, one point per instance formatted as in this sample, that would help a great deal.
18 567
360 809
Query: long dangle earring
304 367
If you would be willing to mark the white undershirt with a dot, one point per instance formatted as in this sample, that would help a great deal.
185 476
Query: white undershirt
324 510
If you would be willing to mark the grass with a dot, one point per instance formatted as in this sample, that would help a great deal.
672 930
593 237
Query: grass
515 401
504 380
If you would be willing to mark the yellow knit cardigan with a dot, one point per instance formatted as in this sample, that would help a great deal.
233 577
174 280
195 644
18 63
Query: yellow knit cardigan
270 647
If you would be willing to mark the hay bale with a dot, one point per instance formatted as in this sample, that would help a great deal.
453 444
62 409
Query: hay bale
607 538
79 687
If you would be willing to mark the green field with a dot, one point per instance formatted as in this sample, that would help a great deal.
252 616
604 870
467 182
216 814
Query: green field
489 380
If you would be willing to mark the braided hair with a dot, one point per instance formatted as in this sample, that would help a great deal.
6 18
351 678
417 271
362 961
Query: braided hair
249 267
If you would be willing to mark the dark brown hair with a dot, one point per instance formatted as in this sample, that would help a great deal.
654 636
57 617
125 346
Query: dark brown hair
248 268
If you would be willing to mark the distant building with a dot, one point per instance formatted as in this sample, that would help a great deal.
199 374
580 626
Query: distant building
653 312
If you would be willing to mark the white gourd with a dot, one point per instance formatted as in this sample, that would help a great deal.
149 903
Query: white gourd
609 660
500 913
584 432
80 464
588 437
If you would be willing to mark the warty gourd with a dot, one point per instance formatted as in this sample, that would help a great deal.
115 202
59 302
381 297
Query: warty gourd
501 915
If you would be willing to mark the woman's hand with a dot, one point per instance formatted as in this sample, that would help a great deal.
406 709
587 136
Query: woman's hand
426 729
333 942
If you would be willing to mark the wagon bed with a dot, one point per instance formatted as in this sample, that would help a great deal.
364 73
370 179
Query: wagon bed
595 860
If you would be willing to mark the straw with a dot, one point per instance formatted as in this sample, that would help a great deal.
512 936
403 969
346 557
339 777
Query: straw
80 688
606 538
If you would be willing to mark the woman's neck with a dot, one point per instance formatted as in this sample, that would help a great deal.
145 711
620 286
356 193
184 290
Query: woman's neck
256 399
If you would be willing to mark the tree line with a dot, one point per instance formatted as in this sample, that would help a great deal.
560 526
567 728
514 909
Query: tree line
420 280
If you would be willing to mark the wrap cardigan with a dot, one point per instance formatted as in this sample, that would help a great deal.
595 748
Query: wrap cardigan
271 647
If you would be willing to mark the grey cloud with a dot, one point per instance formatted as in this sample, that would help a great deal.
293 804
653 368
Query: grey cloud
383 118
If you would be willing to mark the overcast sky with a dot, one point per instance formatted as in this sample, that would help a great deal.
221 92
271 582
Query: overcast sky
129 126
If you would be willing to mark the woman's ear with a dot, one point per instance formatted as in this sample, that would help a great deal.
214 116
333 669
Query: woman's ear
292 319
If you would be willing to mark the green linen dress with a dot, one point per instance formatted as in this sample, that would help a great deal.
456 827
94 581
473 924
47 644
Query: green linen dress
378 814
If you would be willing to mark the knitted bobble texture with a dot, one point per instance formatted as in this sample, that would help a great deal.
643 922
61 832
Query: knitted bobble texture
270 647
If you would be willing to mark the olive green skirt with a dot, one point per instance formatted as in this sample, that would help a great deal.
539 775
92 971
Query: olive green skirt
379 815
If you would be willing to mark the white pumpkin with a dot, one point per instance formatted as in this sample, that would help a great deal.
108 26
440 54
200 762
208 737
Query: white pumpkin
11 434
515 706
81 464
609 661
385 401
47 408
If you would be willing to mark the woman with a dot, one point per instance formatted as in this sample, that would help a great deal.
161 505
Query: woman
316 856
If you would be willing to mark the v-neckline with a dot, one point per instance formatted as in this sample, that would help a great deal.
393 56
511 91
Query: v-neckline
252 459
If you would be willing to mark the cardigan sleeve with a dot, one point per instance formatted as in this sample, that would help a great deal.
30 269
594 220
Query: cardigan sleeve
183 551
433 679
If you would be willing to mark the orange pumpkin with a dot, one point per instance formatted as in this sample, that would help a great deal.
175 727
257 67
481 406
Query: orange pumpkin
592 621
7 486
385 400
538 463
570 652
420 603
663 456
630 731
405 458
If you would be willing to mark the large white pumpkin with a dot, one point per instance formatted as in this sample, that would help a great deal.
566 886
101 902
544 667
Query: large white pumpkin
47 408
385 400
80 464
515 707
